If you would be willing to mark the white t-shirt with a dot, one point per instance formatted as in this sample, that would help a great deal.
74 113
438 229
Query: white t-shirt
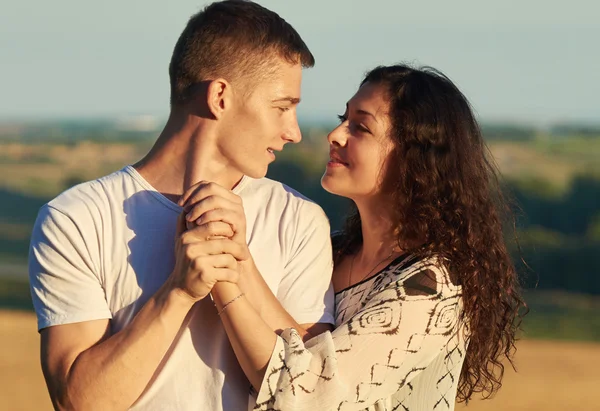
103 248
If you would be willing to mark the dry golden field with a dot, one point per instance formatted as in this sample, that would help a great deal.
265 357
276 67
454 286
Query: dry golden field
551 375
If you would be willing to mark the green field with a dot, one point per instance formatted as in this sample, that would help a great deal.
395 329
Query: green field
555 180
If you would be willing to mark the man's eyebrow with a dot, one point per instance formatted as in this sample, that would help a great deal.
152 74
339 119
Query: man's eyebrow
291 100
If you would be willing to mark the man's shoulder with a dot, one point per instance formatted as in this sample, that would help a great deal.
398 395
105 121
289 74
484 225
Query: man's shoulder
281 196
89 194
274 188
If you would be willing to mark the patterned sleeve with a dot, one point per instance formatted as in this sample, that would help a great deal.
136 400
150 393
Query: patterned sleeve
400 330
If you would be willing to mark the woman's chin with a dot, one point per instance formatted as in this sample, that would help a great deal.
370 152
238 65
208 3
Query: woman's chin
332 186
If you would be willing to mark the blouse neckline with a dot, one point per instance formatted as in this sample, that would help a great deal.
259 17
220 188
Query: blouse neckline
393 262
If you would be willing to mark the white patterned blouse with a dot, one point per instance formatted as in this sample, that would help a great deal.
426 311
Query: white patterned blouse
397 345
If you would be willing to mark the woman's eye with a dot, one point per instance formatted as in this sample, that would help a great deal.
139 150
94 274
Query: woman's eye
352 125
362 128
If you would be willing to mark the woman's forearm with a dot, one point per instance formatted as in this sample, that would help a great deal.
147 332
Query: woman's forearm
265 303
251 337
253 321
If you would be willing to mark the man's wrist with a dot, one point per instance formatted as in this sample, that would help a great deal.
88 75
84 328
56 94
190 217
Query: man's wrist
175 298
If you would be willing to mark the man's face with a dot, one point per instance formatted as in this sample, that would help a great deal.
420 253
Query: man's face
260 122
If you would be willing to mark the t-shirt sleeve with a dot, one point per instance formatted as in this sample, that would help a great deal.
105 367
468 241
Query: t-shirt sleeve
379 350
63 275
305 290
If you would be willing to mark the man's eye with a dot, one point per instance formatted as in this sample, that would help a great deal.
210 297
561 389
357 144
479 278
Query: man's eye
283 109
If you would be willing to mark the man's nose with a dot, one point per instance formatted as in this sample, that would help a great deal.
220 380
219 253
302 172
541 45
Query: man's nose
293 134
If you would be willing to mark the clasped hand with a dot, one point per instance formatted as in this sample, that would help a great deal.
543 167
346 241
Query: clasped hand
211 212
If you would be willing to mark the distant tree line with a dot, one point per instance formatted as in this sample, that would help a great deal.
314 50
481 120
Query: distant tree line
508 132
558 238
109 129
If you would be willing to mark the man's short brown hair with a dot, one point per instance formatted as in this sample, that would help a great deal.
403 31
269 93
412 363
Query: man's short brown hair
233 39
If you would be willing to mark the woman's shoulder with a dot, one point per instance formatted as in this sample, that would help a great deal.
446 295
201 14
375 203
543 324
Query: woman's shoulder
421 275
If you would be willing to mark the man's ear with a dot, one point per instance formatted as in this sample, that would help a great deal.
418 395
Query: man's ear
218 97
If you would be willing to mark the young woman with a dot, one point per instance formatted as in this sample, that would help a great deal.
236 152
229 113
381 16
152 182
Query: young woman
427 299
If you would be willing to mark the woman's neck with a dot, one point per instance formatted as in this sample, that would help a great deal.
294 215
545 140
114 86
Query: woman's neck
378 233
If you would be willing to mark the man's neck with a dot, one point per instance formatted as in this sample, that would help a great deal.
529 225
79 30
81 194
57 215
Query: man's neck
184 154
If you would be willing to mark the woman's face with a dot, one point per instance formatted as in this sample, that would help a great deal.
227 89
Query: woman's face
359 146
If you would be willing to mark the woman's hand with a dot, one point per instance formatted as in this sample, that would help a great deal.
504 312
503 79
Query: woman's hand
200 264
215 212
209 205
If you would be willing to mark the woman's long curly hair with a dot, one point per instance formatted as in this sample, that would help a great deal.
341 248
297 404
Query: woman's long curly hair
448 202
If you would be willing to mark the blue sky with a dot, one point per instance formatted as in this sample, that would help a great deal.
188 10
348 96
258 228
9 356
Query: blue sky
526 61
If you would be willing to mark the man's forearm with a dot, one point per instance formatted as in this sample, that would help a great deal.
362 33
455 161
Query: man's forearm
114 373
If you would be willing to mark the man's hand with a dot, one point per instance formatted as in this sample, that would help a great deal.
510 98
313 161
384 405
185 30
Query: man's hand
214 213
200 264
208 206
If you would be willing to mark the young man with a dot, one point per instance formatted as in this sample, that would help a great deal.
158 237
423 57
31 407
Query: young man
123 312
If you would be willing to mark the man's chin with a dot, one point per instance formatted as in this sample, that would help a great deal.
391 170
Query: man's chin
255 172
